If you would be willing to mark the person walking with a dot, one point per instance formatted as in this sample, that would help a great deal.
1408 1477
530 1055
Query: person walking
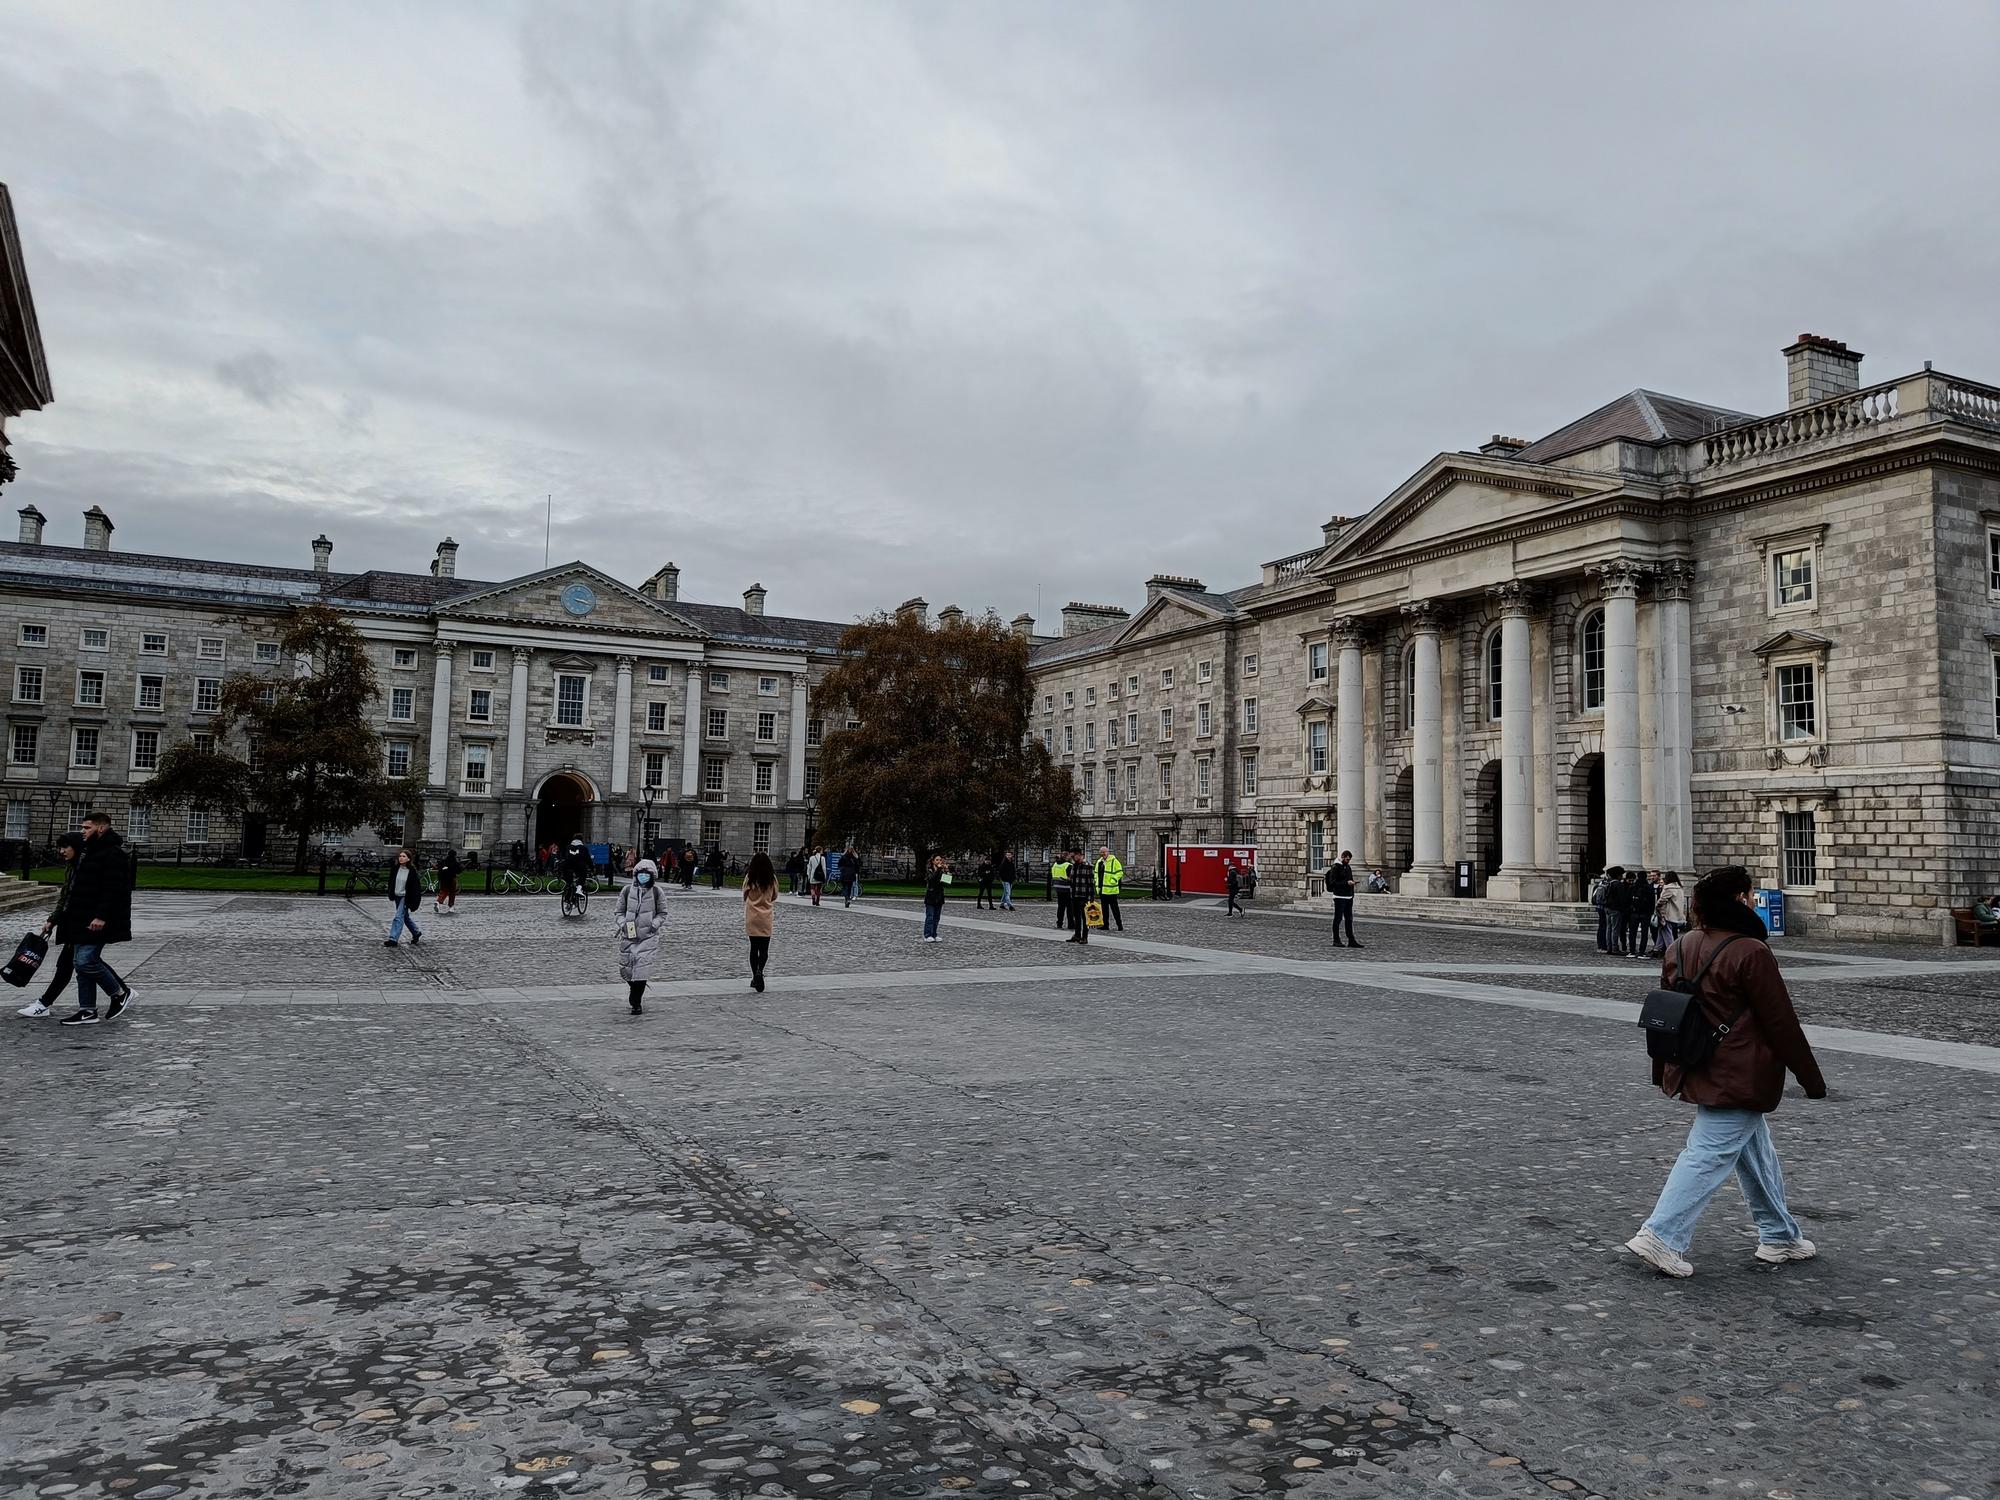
1600 902
642 912
1738 988
1082 880
1638 913
937 880
1059 887
849 868
718 866
1006 870
795 871
1232 883
1340 882
68 847
816 873
1110 873
406 894
97 911
985 895
448 872
760 900
1671 908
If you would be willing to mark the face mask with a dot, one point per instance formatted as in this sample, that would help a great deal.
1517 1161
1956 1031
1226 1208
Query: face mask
643 878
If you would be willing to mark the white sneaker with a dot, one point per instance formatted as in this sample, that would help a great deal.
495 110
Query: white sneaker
1773 1254
1656 1253
34 1009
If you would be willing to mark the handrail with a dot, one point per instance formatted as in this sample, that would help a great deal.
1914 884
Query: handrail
1849 412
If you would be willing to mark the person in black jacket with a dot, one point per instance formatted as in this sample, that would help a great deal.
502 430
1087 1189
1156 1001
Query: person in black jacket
1638 913
406 894
69 846
1004 872
985 896
1340 884
937 880
449 870
97 912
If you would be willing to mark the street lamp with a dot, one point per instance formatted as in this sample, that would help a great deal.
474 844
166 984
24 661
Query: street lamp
812 812
646 795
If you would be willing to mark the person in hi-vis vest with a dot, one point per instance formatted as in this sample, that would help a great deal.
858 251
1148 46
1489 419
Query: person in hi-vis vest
1110 875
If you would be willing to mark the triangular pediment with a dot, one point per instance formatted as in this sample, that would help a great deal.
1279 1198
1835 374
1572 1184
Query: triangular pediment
1793 640
1454 495
575 595
1167 613
1318 703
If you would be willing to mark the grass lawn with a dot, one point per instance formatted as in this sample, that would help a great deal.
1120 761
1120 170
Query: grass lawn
213 878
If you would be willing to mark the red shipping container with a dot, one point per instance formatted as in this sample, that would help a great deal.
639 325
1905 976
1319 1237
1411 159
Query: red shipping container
1198 869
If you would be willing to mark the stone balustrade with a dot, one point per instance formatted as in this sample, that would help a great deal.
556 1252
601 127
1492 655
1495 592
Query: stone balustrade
1843 416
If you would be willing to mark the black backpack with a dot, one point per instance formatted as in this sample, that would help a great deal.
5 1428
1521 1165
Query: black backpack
1677 1031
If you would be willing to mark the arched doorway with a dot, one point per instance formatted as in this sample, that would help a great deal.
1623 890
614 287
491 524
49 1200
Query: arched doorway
1485 839
562 809
1586 798
1399 837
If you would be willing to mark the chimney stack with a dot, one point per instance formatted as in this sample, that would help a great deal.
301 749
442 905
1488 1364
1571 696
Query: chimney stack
1817 369
1336 527
1159 583
32 522
664 585
1502 447
950 617
97 529
1024 626
917 609
322 553
753 599
445 564
1077 618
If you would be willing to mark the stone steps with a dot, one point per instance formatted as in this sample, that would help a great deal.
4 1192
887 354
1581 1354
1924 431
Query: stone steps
1548 916
17 894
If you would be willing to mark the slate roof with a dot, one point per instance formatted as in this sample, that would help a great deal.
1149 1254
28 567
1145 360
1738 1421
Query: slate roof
1642 416
24 369
727 622
1066 648
417 589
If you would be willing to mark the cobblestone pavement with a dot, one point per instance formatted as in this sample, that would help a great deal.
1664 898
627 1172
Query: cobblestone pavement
1193 1215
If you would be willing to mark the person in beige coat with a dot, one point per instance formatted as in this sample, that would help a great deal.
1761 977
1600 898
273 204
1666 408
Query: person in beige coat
760 896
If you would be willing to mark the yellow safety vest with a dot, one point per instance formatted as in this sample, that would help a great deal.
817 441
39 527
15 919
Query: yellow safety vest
1110 873
1059 871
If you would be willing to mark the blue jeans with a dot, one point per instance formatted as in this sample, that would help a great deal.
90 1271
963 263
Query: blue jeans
1723 1141
92 971
931 915
849 889
404 917
1006 893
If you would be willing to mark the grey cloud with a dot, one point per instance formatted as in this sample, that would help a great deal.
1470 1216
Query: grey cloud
257 374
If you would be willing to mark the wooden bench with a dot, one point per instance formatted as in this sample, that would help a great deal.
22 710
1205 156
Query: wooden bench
1971 934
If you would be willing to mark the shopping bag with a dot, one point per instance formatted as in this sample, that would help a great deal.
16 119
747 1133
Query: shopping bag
28 956
1093 913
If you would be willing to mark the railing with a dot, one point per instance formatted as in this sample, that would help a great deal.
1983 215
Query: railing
1292 569
1845 414
1964 401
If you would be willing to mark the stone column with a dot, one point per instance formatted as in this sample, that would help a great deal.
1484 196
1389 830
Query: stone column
1427 876
1350 723
440 766
1374 824
621 730
1518 879
517 723
691 738
1675 628
1624 832
795 747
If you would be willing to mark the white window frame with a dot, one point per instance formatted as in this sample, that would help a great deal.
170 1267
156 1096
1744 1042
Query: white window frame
1090 697
767 687
33 734
760 838
1069 699
1132 727
1204 671
1806 539
138 736
195 826
1316 661
711 832
653 769
767 727
1492 652
1048 703
41 692
407 696
1166 782
715 724
1248 773
148 637
1779 666
714 776
472 713
396 655
1250 716
1166 679
480 755
1089 734
1069 739
583 710
33 636
1111 732
764 778
657 711
389 749
268 653
139 824
76 750
1204 720
1993 559
159 684
474 664
658 671
83 636
815 733
1132 685
1410 688
718 682
1583 667
211 648
1316 747
88 673
1250 664
1788 847
1167 723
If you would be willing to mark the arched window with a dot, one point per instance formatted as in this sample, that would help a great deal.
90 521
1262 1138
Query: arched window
1592 641
1410 686
1493 675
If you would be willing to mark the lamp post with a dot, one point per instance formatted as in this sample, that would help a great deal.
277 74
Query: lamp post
647 794
812 813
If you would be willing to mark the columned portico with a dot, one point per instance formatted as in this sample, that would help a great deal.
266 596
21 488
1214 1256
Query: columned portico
1350 727
1624 829
1518 879
1674 836
1427 875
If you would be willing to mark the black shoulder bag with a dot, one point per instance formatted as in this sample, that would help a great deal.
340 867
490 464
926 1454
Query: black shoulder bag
1677 1032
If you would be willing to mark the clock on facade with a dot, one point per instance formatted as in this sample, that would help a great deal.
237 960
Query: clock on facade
579 598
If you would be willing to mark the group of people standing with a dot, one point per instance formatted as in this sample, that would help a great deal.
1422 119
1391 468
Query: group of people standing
1639 912
1075 881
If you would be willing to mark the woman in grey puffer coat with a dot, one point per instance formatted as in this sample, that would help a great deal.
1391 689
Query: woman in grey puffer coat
642 912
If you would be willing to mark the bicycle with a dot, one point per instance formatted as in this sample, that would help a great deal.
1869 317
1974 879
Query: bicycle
527 885
576 898
364 880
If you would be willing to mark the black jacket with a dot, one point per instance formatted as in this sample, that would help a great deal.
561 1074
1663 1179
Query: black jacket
449 865
934 887
1340 878
847 866
413 891
1005 869
100 889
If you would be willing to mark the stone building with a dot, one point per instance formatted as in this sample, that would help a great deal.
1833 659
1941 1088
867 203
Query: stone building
1666 634
24 372
564 702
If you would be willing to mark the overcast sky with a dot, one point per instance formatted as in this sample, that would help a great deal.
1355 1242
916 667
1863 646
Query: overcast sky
979 301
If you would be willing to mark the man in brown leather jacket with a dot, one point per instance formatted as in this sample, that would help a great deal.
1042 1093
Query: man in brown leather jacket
1741 1085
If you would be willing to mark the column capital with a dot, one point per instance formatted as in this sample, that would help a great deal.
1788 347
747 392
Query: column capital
1426 616
1620 577
626 664
522 653
1675 580
1513 598
442 650
1350 632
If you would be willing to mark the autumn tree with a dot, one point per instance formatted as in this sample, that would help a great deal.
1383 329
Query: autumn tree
941 757
316 761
